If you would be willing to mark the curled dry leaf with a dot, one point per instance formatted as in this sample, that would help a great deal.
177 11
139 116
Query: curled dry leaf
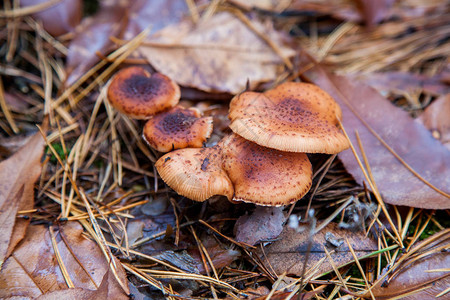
32 270
264 224
363 107
17 177
288 252
436 118
422 275
219 54
60 18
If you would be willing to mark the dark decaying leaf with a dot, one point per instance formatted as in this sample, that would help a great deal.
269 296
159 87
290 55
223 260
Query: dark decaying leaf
436 118
220 54
33 270
409 139
374 11
288 252
220 257
17 177
264 224
421 276
60 18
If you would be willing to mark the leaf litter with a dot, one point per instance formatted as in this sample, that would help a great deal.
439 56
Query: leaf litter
364 112
98 173
18 175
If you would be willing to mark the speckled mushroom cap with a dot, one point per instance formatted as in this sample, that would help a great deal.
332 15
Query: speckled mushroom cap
195 173
238 169
177 128
265 176
139 94
295 117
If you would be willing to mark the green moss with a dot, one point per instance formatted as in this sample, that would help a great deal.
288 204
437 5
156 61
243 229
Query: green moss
59 150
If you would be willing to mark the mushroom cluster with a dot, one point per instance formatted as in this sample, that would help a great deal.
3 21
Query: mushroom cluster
141 95
263 161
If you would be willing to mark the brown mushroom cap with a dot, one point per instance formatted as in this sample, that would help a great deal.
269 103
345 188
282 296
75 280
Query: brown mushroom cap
195 173
295 117
139 94
265 176
177 128
238 169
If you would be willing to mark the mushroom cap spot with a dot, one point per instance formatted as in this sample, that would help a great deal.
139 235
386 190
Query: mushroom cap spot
177 128
294 117
265 176
195 173
139 94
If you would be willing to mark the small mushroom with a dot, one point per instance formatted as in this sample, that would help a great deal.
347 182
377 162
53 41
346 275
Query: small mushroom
177 128
238 169
294 117
195 173
140 95
265 176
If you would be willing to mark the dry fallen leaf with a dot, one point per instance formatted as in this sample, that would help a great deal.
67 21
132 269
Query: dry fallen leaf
93 37
264 224
219 54
108 289
33 270
155 13
287 253
60 18
17 177
116 19
423 274
436 118
409 139
402 82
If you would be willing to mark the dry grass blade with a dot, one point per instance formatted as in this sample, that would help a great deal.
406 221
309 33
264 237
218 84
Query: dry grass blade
28 10
183 275
153 282
101 241
240 244
59 259
372 186
6 111
360 268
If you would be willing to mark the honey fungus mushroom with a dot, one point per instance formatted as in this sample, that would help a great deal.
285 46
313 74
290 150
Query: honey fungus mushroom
265 176
177 128
195 173
140 95
294 117
238 169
